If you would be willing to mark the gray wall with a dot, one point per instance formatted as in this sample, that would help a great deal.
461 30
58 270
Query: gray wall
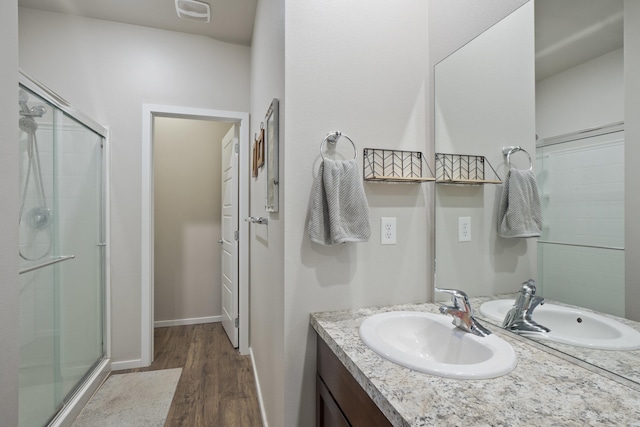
187 204
9 185
632 152
485 100
109 70
267 241
362 70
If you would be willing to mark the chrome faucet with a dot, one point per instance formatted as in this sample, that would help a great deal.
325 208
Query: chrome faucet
518 319
461 313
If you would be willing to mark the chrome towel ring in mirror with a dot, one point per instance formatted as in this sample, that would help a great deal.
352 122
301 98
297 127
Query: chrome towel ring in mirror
332 138
508 151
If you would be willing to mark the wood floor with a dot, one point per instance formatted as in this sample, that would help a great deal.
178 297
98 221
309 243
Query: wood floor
217 387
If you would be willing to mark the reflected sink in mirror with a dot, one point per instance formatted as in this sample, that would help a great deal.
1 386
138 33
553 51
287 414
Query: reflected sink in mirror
430 343
571 326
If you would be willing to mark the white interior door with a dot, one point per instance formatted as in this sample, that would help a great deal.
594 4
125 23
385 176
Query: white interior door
229 240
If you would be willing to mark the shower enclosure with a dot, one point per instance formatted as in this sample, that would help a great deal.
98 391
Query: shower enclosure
62 252
581 250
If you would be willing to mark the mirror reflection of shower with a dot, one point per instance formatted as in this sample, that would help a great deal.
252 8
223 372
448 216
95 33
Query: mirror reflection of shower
35 215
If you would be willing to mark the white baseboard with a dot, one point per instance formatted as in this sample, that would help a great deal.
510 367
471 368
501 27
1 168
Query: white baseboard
127 364
263 413
192 321
138 363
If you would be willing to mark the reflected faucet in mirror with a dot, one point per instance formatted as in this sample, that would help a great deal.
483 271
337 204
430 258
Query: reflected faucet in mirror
461 313
519 319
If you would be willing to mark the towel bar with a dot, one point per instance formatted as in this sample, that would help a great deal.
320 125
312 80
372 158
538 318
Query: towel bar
332 138
508 151
46 263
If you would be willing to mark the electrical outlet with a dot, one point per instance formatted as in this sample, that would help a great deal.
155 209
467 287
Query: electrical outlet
388 231
464 229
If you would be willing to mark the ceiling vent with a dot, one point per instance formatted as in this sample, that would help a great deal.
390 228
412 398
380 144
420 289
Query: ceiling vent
194 10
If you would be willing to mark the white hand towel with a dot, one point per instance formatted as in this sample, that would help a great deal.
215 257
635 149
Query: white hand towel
520 213
339 211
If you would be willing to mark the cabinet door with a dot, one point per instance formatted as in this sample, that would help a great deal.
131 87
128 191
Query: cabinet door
352 401
328 414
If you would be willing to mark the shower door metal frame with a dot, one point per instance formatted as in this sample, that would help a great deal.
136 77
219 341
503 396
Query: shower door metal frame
77 399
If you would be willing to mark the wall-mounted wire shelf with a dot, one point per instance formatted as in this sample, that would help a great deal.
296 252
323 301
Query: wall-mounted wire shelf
464 169
380 165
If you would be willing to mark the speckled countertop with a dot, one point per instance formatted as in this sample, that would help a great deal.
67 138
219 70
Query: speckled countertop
622 363
543 390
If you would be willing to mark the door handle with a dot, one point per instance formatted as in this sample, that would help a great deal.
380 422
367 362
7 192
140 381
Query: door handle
258 220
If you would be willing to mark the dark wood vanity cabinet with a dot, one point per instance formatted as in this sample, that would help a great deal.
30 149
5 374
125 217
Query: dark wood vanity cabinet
340 401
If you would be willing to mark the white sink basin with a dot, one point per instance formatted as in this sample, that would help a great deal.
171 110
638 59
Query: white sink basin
429 343
571 326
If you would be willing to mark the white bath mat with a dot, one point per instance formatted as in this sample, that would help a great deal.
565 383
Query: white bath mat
140 399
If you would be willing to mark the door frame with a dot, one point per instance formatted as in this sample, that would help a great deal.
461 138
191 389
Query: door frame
149 111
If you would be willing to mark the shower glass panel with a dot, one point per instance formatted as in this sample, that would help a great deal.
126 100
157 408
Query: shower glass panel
581 250
62 260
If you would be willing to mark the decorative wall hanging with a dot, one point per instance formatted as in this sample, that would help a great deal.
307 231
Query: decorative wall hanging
254 160
260 143
271 148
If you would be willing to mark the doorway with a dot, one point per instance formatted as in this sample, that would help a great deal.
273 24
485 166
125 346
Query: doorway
187 217
241 123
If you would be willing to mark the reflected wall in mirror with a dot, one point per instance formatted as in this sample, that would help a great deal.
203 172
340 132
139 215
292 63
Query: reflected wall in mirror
484 101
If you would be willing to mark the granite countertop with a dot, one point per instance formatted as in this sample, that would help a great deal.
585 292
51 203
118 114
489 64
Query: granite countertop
542 390
622 363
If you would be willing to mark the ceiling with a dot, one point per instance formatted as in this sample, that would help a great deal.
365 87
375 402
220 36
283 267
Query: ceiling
570 32
231 20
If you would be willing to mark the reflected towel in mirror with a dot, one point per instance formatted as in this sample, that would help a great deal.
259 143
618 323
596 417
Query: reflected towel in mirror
520 213
339 211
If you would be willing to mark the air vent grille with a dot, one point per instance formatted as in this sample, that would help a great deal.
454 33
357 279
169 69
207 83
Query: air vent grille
194 10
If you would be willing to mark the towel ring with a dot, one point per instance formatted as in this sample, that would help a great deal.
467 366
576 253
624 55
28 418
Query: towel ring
332 138
508 151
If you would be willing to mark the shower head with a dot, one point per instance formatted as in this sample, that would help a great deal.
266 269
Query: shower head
28 125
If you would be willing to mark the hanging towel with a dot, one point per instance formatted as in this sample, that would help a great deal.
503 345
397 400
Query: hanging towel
338 212
519 213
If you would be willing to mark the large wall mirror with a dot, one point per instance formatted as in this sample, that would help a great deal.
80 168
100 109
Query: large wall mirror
549 78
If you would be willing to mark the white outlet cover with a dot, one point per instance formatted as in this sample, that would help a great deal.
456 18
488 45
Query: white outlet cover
387 230
464 229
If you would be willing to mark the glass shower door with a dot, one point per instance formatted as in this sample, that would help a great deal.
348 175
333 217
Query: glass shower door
581 250
61 235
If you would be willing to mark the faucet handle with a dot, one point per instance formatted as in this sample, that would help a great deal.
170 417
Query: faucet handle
459 298
461 313
529 287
